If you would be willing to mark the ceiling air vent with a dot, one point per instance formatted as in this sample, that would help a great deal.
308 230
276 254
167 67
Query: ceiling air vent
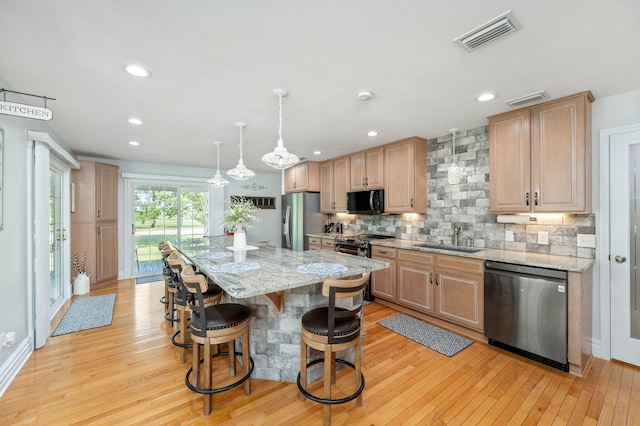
495 28
527 99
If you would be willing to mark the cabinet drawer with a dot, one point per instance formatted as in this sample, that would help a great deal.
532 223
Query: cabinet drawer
416 256
314 240
328 242
386 252
461 264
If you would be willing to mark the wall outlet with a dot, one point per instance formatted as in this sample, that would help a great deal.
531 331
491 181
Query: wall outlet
508 235
9 338
408 230
587 240
2 341
543 237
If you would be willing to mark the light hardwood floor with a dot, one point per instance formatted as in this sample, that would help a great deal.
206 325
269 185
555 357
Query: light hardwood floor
128 373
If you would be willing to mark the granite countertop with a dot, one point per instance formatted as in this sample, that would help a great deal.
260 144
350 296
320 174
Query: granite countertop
565 263
264 269
330 234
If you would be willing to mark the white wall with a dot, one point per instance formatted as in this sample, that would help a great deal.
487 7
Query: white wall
610 112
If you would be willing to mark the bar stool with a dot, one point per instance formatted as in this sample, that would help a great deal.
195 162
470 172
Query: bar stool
170 286
329 330
184 299
212 325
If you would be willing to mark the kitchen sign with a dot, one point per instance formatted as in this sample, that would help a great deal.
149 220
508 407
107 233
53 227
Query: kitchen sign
26 111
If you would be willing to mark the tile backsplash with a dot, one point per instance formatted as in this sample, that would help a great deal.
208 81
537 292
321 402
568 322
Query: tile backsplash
467 205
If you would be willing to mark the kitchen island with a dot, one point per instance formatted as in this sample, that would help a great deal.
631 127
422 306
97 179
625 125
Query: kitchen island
279 286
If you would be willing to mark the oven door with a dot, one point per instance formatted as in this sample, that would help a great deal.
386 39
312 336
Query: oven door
347 249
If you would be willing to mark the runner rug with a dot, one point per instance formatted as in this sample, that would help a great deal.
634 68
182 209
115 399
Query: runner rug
86 313
426 334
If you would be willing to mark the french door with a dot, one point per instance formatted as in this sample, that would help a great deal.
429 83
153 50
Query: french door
625 246
164 212
57 235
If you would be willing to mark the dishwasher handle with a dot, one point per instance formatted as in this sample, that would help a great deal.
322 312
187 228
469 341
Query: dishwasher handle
491 266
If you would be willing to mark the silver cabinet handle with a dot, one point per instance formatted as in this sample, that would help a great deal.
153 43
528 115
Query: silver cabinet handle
620 259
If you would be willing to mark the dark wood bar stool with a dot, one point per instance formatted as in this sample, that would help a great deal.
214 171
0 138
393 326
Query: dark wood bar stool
184 300
214 325
329 330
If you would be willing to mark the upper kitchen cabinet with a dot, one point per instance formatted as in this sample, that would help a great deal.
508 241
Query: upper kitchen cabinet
405 176
334 184
367 169
540 158
303 177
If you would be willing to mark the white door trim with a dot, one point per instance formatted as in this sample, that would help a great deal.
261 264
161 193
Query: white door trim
604 235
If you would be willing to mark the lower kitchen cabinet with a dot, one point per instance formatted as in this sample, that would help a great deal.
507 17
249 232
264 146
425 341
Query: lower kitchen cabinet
318 243
447 287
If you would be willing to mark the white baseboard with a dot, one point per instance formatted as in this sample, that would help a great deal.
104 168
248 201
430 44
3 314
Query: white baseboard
597 350
12 366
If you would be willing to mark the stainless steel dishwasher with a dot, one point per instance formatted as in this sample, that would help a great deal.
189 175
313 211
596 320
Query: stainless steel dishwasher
525 311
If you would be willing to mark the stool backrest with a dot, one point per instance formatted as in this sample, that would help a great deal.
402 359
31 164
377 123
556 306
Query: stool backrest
341 289
178 265
197 285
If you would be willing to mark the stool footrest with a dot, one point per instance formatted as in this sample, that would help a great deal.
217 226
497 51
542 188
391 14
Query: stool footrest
163 300
182 345
166 316
222 389
331 401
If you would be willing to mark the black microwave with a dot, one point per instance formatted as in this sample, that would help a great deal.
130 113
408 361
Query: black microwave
366 202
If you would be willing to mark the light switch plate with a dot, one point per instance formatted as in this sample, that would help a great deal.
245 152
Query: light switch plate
543 237
587 240
508 235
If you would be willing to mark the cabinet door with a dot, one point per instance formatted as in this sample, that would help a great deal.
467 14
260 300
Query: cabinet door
415 286
314 243
510 162
383 282
460 298
106 251
341 184
374 163
290 179
327 187
84 180
328 244
358 171
106 192
405 176
560 143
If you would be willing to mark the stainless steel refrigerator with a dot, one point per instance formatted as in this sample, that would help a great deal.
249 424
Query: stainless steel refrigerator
300 216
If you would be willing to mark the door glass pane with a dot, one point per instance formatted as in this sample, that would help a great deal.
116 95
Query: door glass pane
55 236
635 241
166 213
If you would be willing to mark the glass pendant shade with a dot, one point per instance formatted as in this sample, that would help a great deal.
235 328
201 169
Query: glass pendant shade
455 172
240 171
280 158
218 180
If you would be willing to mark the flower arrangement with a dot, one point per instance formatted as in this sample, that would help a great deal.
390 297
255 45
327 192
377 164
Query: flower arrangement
80 268
241 212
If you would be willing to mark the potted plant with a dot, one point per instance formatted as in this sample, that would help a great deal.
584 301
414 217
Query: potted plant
240 215
81 281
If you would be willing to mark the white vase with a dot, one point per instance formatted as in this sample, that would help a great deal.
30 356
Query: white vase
239 238
81 284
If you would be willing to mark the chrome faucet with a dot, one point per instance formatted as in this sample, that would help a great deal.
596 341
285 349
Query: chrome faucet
456 232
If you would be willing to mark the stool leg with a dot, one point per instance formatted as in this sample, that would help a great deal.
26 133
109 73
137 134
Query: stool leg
333 368
232 358
328 367
170 306
246 361
303 367
207 378
195 375
182 320
358 370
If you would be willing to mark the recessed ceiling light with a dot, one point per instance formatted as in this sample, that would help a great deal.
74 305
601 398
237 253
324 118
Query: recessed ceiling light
317 152
138 71
135 121
372 133
134 143
486 97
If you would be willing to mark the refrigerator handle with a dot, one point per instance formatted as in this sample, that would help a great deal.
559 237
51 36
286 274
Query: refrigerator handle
287 219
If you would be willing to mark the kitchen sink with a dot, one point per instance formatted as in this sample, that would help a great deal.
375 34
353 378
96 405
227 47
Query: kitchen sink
450 248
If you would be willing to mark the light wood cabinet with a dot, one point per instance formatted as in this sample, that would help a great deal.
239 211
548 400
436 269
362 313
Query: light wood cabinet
302 177
383 282
334 184
447 287
94 223
314 243
367 169
328 244
405 176
540 158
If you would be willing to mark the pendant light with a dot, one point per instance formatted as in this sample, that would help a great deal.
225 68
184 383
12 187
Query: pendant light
240 171
218 180
280 158
454 174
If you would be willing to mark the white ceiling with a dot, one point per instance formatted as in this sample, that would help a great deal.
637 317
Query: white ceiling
217 62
